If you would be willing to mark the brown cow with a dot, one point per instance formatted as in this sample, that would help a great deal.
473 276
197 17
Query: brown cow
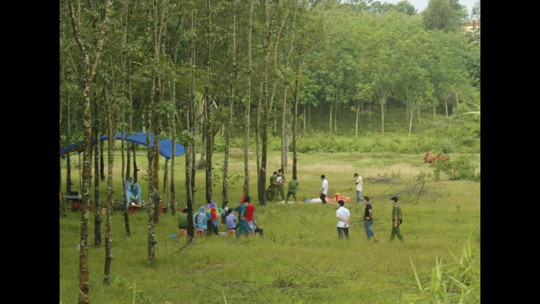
443 157
430 158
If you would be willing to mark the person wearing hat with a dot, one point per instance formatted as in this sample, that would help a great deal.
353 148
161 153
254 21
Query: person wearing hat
358 182
343 216
396 219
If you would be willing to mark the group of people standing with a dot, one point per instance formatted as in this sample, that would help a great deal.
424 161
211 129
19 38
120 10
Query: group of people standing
344 215
241 219
277 185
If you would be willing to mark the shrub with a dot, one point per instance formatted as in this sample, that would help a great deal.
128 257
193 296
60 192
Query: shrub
455 169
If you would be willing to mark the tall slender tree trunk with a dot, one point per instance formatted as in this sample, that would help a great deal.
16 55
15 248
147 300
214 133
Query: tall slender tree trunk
135 168
97 207
125 203
191 127
172 194
330 120
90 69
247 114
268 100
357 121
155 174
165 175
382 102
68 157
110 198
232 87
284 131
209 103
304 130
152 192
101 163
336 115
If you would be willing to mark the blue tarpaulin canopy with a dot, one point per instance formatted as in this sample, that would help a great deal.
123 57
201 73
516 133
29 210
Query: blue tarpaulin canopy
165 144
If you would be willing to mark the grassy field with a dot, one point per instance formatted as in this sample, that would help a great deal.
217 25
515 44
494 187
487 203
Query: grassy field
300 259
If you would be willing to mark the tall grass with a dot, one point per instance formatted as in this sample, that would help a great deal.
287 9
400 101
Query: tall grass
454 282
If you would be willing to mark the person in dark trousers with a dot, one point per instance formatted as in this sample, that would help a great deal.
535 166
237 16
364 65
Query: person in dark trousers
343 214
368 220
324 189
242 222
397 219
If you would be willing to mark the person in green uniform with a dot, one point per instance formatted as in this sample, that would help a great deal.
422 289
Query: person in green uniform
293 187
183 219
396 219
273 187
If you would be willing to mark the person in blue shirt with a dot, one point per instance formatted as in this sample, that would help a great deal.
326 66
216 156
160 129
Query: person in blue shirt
136 192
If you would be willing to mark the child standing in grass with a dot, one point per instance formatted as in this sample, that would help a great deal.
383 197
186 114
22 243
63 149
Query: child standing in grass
368 220
396 219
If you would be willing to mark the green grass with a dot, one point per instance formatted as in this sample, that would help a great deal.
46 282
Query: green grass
300 259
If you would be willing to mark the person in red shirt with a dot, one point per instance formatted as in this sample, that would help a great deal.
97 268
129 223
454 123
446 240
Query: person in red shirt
250 212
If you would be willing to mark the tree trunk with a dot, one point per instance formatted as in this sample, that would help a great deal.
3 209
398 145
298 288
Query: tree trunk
97 207
330 117
172 197
209 102
165 175
382 101
190 143
125 204
101 164
151 191
90 69
357 121
304 131
110 198
284 129
202 162
232 87
336 116
68 158
155 175
135 168
248 103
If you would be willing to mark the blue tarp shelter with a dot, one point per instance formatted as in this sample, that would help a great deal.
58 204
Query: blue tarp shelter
165 144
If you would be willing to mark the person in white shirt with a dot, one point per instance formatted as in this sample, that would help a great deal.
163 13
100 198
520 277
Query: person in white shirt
343 216
324 189
358 182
